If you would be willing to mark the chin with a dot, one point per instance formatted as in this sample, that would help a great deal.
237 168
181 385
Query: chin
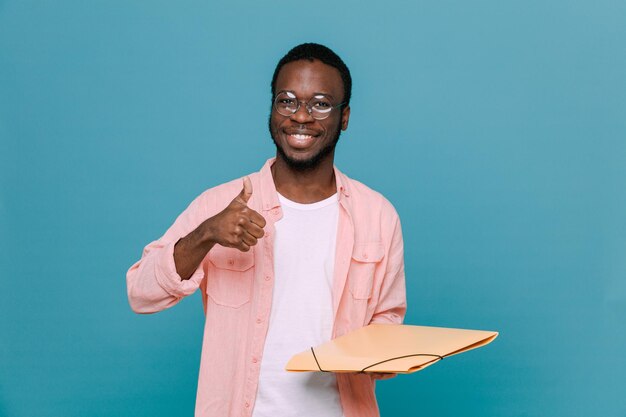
303 163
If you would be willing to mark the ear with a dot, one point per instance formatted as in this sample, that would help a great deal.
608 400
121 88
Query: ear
345 117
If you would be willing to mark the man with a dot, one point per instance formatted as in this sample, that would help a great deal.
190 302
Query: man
288 258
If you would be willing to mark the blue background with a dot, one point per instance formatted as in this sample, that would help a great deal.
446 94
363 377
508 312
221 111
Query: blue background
497 129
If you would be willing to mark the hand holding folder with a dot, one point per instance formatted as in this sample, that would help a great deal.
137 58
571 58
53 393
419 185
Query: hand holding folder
392 348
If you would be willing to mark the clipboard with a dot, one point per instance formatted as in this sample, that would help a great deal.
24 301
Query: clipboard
392 348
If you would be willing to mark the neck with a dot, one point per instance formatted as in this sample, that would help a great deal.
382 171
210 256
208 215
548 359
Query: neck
310 186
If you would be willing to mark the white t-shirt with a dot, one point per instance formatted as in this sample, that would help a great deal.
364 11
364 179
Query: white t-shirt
302 312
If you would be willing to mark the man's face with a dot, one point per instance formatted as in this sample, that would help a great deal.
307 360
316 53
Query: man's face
302 141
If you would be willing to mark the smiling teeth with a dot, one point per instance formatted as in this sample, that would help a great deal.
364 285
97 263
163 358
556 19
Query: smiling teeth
300 137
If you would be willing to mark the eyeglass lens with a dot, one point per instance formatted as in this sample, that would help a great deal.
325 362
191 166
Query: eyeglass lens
319 106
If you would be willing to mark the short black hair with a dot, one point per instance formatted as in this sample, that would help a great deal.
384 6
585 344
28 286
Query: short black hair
310 52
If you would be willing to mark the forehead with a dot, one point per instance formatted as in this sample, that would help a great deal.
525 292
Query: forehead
306 78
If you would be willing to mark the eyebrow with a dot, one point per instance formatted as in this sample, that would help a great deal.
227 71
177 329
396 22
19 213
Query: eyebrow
314 94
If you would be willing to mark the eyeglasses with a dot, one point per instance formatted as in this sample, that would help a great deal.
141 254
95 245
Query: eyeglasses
319 106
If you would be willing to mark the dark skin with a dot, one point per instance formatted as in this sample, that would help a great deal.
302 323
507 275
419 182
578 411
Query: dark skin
306 79
237 226
301 137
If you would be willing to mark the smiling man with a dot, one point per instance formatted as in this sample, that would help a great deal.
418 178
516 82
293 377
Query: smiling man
287 258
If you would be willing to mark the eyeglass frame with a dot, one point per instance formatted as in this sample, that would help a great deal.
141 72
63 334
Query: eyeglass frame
308 108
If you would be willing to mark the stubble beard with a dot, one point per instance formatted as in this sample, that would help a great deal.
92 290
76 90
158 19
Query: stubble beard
304 165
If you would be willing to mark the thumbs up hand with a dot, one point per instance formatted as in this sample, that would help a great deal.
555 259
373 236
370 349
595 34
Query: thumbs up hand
246 192
237 226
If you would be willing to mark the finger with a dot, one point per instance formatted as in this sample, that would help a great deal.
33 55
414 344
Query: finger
254 230
246 191
243 247
248 239
257 219
382 375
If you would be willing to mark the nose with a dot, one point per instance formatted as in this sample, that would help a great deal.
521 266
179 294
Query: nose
302 115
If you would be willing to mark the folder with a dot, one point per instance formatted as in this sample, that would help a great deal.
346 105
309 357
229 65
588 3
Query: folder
392 348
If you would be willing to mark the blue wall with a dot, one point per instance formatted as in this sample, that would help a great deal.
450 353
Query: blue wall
496 128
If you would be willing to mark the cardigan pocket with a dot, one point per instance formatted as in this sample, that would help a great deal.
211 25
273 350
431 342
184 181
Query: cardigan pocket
231 276
365 258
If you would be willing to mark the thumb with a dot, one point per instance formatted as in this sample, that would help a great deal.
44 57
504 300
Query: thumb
246 191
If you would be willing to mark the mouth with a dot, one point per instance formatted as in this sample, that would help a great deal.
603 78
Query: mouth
300 139
300 136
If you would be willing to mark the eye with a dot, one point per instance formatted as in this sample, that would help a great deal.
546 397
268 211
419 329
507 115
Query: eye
286 101
320 103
